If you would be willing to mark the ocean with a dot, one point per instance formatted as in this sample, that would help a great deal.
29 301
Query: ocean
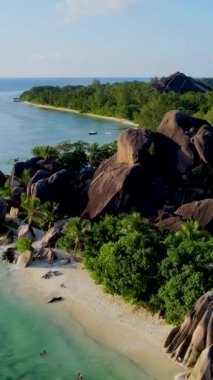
26 329
22 126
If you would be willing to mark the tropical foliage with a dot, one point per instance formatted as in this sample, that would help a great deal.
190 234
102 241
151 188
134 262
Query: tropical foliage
5 189
76 155
73 234
23 244
165 272
187 269
37 214
136 101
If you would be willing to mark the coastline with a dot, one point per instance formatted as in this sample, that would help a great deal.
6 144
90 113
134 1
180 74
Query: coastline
107 319
62 109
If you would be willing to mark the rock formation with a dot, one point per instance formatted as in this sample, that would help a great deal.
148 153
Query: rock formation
203 142
133 145
19 167
52 188
25 259
25 231
3 210
174 148
191 343
52 234
200 211
179 171
176 172
2 178
180 83
119 182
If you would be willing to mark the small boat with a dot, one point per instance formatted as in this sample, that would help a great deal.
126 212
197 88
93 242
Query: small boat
16 99
93 133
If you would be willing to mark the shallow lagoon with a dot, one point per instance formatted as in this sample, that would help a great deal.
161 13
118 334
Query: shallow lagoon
27 328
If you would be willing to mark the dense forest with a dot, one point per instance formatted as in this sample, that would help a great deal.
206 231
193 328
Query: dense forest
136 101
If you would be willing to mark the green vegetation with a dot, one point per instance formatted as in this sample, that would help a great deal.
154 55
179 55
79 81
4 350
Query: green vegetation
165 272
37 214
5 190
47 152
23 244
207 81
77 155
25 178
73 234
187 270
136 101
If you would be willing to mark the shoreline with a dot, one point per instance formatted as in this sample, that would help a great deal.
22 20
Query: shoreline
121 327
62 109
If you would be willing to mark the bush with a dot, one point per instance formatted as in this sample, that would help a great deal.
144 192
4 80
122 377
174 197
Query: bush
187 270
5 189
23 244
124 255
130 266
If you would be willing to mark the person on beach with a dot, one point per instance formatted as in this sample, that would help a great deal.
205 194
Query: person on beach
43 353
79 376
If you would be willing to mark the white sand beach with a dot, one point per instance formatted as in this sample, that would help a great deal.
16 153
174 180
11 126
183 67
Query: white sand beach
106 318
113 119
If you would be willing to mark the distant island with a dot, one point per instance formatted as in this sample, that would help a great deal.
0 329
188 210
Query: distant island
139 102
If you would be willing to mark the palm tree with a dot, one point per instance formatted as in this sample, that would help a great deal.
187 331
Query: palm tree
25 177
51 209
75 231
34 212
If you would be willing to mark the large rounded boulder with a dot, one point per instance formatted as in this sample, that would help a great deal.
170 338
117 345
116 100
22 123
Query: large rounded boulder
52 188
200 211
133 145
203 141
39 175
116 187
175 152
19 167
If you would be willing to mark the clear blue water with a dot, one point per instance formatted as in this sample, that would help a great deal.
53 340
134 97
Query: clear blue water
26 328
22 126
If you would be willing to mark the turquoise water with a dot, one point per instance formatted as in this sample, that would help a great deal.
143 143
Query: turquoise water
26 329
22 126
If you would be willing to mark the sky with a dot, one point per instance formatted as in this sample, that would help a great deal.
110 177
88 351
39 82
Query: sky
106 38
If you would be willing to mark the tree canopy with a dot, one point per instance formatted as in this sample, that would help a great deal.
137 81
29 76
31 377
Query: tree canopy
136 101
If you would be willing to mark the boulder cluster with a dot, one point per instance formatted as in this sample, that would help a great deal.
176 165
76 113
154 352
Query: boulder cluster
191 343
165 175
49 181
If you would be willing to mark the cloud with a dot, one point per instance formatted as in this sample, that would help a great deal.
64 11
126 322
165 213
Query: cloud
77 8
